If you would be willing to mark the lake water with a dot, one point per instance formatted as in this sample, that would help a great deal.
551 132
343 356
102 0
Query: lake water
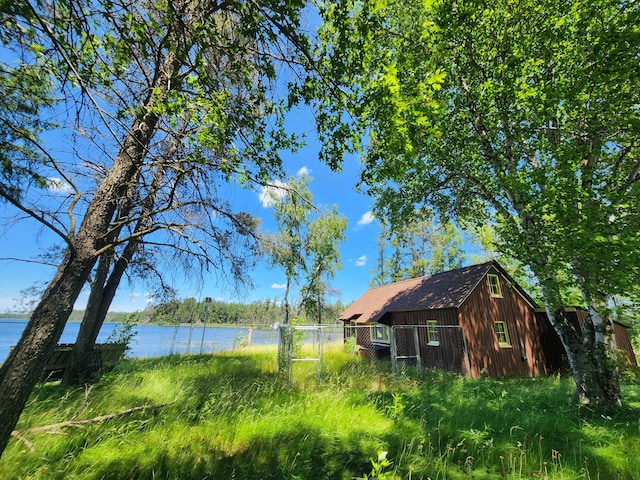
155 340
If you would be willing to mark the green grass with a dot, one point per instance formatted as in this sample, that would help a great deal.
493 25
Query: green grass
232 415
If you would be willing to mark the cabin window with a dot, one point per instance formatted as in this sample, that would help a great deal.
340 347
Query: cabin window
432 333
494 285
350 330
380 333
503 334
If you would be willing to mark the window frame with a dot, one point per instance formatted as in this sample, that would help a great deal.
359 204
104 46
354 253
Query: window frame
350 330
494 288
502 335
433 335
385 336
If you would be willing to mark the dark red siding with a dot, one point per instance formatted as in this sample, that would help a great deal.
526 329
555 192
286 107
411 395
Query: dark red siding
479 352
462 299
555 358
620 332
478 315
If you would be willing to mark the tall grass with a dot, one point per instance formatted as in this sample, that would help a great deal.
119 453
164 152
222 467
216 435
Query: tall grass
232 415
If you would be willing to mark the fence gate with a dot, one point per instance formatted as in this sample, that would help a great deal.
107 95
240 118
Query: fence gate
409 351
441 347
290 347
317 346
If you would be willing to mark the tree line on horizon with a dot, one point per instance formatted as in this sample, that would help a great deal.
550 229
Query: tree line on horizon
260 312
189 310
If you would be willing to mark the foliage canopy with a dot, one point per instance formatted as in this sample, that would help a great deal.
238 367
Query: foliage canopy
522 115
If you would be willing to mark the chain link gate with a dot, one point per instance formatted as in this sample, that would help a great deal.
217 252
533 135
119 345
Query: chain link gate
292 339
310 344
440 347
323 345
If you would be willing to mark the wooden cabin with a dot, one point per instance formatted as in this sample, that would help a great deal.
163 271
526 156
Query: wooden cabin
477 321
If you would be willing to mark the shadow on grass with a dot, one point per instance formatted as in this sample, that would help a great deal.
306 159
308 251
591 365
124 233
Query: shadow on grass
313 456
521 427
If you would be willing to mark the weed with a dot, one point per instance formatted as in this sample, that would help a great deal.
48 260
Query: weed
379 471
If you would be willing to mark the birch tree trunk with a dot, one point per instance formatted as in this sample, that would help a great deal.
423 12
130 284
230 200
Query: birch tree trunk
597 383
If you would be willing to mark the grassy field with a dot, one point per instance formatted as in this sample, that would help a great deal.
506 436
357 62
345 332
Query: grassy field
233 416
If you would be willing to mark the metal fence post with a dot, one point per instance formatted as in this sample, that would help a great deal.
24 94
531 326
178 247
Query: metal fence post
289 336
394 351
416 342
320 345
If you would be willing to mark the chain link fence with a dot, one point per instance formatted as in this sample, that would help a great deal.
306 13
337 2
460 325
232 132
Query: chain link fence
304 348
439 347
202 338
310 350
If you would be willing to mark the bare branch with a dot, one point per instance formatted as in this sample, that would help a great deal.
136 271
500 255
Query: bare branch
26 260
35 215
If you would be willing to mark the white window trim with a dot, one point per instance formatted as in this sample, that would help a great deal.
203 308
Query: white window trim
433 343
385 336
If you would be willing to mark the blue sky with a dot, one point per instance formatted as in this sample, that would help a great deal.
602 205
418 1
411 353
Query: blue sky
25 240
21 242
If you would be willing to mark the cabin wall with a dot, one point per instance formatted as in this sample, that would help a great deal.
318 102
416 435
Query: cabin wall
621 333
366 347
363 335
623 342
555 358
478 314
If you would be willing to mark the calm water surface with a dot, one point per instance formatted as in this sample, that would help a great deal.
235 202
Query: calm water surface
154 340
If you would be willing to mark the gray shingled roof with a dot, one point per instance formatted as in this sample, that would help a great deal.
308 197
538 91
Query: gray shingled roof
443 290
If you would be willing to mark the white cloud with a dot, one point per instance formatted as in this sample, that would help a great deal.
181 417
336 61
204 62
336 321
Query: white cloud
367 218
361 261
148 297
271 193
304 171
279 285
57 185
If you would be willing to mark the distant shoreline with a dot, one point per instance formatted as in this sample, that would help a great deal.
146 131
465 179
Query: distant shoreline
27 316
181 324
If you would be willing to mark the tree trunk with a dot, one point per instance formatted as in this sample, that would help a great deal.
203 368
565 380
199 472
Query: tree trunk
23 368
100 298
586 347
597 384
21 371
600 385
78 368
286 304
105 285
